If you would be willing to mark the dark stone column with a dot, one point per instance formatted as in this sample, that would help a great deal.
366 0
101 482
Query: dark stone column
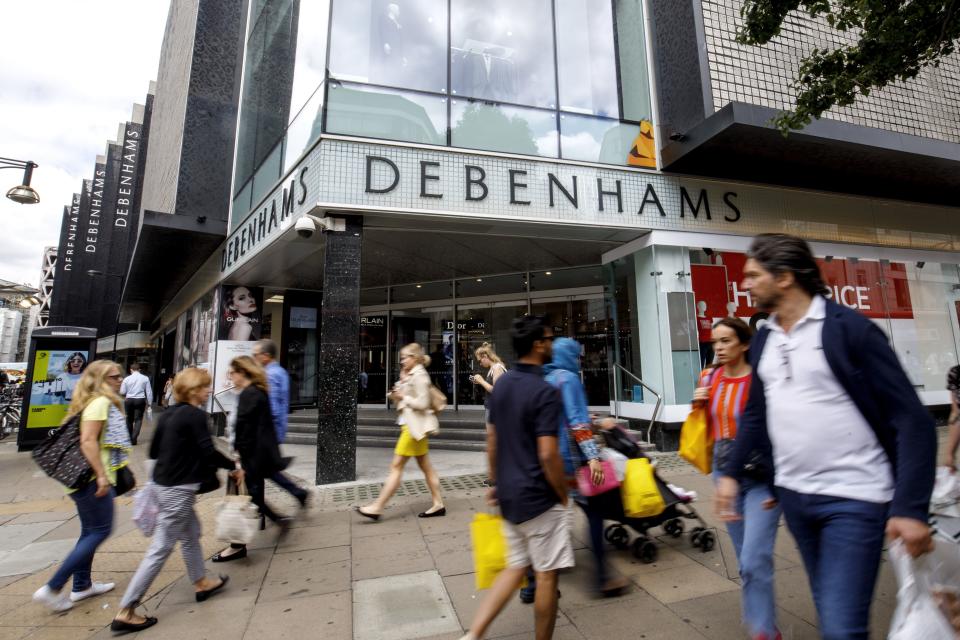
339 355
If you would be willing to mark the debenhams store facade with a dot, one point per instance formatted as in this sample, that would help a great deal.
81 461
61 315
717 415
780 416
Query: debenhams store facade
491 159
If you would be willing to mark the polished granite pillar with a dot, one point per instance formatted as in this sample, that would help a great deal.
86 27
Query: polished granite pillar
339 355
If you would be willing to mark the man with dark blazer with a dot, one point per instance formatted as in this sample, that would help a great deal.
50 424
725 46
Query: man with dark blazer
853 448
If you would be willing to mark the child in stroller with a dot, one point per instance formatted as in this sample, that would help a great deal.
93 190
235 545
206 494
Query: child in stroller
679 507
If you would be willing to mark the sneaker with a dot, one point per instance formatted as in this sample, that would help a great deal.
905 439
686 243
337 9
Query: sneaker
52 600
95 589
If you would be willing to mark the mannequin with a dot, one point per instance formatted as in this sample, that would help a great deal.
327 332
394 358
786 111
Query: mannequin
704 330
387 54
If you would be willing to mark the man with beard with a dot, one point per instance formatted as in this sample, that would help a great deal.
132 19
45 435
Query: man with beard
854 449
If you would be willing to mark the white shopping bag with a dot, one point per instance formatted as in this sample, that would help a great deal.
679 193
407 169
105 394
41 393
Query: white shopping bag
146 508
946 493
237 518
917 614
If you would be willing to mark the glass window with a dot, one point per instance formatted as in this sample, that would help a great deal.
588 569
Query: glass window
420 292
476 325
515 283
310 29
241 205
502 50
267 175
634 76
267 83
304 130
478 125
386 113
586 59
596 139
566 278
399 43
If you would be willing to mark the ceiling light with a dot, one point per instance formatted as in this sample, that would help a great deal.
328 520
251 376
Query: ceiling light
549 273
419 286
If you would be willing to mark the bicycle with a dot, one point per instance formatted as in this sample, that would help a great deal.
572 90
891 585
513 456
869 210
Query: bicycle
9 412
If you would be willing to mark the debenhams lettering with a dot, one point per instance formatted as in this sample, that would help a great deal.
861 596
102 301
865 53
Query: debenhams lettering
383 176
259 225
96 201
128 174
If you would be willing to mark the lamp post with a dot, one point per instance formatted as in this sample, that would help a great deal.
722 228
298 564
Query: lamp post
96 273
22 193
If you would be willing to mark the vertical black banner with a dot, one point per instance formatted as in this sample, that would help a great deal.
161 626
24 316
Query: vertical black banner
62 258
122 223
80 296
101 254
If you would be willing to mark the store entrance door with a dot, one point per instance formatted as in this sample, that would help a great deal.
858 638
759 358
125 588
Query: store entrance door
300 345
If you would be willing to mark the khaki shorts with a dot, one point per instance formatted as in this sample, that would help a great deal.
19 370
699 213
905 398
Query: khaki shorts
543 542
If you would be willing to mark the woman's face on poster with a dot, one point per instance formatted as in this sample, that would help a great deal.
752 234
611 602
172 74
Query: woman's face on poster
243 301
75 364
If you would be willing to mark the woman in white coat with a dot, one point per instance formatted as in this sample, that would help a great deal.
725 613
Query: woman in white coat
417 421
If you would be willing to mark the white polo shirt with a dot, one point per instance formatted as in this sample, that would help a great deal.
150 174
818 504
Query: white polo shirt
822 444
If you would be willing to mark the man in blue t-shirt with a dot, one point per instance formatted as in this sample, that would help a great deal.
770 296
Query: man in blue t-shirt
527 479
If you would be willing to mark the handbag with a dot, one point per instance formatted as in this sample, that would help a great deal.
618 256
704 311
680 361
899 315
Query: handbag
757 467
438 400
696 441
585 483
60 457
641 496
125 481
237 517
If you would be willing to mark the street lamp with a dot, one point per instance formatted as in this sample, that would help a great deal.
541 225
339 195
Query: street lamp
96 273
23 193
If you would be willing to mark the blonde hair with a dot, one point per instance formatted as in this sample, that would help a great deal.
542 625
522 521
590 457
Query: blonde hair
486 349
416 351
188 381
252 370
93 384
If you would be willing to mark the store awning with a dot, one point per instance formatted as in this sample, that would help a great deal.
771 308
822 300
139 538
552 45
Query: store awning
739 143
170 249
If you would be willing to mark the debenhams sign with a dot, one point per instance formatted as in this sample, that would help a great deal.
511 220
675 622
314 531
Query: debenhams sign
358 175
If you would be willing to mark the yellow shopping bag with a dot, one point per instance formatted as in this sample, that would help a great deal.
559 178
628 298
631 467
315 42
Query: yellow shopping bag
696 441
489 548
641 497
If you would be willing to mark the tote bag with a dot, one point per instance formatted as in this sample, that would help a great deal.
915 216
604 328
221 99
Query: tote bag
641 497
696 441
237 518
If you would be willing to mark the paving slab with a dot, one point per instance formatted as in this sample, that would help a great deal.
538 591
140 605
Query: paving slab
414 605
578 585
216 619
516 617
63 633
327 616
43 516
34 557
398 519
460 514
452 552
16 633
307 573
318 537
632 618
17 536
694 581
793 594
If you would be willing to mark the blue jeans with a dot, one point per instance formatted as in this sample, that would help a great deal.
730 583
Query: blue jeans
753 539
96 523
840 541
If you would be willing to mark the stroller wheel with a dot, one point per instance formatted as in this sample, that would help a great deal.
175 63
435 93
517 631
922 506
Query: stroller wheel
673 528
644 550
696 535
707 541
617 536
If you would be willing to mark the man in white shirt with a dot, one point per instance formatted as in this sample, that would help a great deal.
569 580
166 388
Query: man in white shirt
854 449
138 396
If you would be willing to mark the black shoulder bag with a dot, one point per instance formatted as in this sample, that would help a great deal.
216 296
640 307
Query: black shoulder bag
60 457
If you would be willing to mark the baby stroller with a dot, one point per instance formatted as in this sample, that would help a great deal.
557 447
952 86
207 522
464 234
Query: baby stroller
671 519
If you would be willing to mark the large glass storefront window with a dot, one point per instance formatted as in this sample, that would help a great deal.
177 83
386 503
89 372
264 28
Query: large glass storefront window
512 76
915 303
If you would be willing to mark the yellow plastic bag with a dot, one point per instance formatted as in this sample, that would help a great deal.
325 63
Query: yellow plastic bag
489 548
641 497
696 441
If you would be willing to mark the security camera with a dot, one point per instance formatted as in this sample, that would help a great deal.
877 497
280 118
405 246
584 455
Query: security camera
306 227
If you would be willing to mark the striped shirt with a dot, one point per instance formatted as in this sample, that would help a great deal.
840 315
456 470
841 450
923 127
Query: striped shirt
728 398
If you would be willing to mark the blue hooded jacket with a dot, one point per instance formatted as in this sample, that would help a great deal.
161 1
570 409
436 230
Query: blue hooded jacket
564 374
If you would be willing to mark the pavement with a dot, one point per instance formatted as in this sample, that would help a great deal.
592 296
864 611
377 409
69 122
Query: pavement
339 576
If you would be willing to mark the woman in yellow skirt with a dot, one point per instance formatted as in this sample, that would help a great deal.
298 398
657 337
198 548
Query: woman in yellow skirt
417 421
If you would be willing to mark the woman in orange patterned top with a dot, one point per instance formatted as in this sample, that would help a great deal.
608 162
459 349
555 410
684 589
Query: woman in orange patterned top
724 390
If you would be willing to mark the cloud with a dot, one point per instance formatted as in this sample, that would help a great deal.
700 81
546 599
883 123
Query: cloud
70 73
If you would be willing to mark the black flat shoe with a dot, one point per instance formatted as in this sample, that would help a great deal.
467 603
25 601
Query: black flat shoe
372 516
119 626
442 511
236 555
203 595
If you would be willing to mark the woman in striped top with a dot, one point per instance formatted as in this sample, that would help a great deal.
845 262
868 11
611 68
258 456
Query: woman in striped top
724 390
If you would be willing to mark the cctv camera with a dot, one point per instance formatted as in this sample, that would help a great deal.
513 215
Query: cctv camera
306 227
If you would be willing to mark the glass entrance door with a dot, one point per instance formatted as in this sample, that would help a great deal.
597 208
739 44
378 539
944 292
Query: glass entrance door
478 324
300 345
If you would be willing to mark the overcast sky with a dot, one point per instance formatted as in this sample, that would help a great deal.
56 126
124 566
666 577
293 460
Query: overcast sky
70 72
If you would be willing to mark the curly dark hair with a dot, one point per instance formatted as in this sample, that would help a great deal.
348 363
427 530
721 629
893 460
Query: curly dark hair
781 253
